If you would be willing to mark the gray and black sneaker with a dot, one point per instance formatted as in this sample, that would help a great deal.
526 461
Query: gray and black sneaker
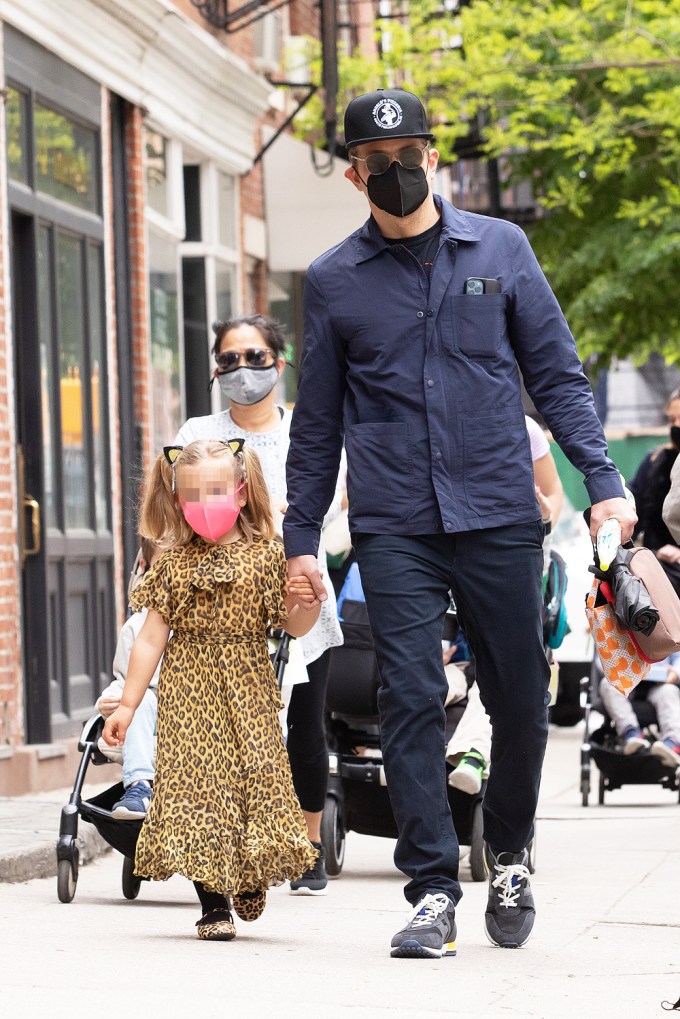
430 932
510 911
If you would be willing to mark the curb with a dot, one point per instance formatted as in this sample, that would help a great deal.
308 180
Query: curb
40 860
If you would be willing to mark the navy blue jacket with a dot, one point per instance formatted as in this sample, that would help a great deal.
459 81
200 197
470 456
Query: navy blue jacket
424 386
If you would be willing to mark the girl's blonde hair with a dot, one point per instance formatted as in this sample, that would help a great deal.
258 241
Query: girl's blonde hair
161 517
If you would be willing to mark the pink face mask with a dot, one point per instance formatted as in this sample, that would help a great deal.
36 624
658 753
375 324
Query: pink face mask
212 520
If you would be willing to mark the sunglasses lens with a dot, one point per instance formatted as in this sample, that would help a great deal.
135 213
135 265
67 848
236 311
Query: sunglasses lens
377 163
256 358
228 361
411 157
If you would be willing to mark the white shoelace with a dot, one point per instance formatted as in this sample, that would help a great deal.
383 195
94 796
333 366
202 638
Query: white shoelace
427 910
509 893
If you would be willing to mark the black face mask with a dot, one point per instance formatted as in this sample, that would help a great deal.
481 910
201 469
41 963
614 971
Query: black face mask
398 191
675 435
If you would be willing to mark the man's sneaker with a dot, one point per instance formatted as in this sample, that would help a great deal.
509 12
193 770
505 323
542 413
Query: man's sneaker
668 751
314 881
430 932
510 911
467 776
633 741
134 803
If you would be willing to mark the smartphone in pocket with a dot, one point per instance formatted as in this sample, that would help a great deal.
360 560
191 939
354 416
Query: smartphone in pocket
481 285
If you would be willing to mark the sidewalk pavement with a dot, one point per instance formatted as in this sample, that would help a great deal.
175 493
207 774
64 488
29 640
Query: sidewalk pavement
606 942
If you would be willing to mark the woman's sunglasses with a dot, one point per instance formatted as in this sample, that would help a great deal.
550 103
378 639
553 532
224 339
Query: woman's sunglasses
379 162
254 357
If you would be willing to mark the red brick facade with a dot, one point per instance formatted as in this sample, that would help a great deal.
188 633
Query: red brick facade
11 701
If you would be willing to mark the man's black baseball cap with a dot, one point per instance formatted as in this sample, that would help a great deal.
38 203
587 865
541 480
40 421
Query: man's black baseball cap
387 113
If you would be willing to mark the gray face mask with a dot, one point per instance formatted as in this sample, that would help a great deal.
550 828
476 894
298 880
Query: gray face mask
248 385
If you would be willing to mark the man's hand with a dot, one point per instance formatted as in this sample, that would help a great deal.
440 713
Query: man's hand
307 566
618 508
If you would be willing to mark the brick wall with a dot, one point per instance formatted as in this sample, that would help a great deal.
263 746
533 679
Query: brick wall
142 387
11 700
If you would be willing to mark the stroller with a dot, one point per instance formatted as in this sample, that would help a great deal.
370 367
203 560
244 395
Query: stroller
357 798
601 746
121 834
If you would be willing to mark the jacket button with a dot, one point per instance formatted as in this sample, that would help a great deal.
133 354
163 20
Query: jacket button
420 314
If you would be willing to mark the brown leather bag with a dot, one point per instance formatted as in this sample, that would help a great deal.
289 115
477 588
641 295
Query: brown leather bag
665 637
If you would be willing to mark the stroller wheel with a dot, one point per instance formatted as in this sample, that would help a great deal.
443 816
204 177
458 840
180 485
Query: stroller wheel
131 883
66 881
333 837
477 868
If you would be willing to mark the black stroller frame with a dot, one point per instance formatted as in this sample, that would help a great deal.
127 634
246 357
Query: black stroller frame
617 769
357 798
121 834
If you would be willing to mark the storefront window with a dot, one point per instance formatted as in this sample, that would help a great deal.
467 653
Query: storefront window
17 139
65 159
98 388
165 354
71 376
157 172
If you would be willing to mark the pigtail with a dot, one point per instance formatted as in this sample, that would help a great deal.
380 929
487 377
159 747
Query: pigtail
257 517
161 519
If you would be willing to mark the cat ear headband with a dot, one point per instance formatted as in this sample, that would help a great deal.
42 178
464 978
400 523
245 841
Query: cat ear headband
172 452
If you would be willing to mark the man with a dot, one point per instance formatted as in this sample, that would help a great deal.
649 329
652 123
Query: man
416 329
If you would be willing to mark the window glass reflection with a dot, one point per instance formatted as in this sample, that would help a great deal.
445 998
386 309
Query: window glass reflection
17 140
165 357
65 159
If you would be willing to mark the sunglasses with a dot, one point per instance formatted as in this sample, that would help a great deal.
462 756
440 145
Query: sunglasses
379 162
254 357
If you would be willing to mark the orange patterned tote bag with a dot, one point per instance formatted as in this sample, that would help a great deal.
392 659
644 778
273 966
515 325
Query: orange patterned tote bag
623 662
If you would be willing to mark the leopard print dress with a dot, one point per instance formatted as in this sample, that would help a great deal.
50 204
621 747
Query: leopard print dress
224 811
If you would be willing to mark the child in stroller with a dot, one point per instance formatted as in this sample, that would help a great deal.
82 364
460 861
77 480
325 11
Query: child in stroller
623 746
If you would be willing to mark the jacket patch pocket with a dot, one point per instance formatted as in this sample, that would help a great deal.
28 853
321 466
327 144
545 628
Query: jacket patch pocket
478 323
380 464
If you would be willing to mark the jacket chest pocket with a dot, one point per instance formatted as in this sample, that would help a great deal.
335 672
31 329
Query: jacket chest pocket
478 324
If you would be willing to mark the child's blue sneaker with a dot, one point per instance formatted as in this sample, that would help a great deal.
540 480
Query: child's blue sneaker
134 803
668 751
633 741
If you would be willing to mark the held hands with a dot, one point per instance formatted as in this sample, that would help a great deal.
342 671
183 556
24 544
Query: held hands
618 508
306 566
303 591
117 725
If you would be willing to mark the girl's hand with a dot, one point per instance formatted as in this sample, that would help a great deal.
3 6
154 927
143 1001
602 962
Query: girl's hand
117 725
302 589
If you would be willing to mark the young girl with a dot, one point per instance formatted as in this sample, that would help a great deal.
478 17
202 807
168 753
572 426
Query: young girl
224 812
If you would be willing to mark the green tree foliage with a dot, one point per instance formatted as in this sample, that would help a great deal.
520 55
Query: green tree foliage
582 99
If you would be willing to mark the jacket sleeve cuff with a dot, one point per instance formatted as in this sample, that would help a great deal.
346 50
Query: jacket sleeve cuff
298 543
604 484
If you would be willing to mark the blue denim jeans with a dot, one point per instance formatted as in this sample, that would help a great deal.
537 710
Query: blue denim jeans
495 577
140 740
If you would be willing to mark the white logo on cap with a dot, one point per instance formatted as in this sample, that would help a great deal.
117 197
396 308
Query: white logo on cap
387 114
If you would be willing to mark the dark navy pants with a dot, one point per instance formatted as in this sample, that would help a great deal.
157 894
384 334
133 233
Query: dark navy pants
495 577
